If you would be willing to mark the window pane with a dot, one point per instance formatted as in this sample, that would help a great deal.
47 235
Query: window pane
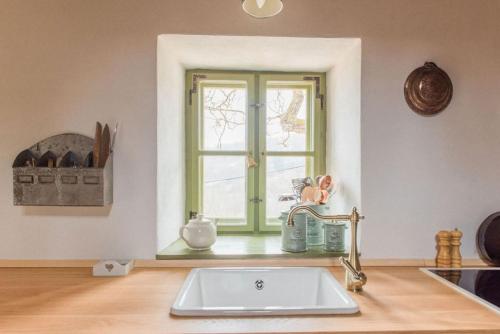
286 119
224 187
224 118
279 174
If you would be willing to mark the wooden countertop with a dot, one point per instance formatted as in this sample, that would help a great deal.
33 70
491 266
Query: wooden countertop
63 300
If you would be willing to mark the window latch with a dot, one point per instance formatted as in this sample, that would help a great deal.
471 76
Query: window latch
257 105
255 200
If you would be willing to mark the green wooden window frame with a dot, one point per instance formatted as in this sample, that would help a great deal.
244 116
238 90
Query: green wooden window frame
256 84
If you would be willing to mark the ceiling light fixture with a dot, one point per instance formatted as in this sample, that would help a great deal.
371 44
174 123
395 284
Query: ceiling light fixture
262 8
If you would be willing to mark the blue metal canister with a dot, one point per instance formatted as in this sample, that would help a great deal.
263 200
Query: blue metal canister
334 237
294 238
315 233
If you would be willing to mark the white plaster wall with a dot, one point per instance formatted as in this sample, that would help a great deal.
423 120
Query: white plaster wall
343 128
61 72
171 171
65 65
343 159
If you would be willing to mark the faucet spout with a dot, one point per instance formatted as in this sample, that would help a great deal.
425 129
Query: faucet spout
354 277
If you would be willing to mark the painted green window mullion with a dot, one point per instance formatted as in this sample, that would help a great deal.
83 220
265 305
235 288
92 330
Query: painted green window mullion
192 158
251 154
255 153
320 126
261 184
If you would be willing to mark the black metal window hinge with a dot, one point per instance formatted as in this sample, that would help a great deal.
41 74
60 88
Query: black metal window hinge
194 86
317 88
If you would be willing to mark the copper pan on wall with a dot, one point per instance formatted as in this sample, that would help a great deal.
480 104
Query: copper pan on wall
428 90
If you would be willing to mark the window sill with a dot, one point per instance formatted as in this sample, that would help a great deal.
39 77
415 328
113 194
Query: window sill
241 247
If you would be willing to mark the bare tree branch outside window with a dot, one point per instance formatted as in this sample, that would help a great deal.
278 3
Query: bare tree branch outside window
287 114
222 112
220 104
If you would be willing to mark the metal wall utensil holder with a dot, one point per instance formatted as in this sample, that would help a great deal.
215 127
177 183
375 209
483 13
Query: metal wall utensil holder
59 185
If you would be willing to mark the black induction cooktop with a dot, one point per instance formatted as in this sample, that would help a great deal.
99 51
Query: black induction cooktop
483 283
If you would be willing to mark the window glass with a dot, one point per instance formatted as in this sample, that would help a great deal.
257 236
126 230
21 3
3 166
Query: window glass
224 118
286 119
279 173
224 187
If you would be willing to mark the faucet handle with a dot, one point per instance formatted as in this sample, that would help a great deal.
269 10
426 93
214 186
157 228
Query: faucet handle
357 275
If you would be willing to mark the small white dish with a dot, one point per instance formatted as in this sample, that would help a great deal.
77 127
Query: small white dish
112 267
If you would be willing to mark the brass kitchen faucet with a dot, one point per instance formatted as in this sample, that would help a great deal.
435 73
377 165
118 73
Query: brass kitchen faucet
354 277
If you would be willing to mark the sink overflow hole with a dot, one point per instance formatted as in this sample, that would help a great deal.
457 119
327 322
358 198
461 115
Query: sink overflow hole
259 284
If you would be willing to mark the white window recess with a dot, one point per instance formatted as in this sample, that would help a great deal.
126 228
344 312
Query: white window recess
340 58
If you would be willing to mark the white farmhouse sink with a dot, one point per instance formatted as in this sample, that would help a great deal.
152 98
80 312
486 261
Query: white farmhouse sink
262 291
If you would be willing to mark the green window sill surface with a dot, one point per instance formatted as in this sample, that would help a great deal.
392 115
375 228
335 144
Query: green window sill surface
241 247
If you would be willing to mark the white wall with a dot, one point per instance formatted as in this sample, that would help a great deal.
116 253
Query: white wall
343 128
343 159
65 65
171 171
62 74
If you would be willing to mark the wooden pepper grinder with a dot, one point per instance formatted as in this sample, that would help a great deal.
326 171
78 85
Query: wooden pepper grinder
443 258
456 257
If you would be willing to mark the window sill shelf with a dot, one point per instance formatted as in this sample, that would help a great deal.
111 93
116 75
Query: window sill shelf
241 247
